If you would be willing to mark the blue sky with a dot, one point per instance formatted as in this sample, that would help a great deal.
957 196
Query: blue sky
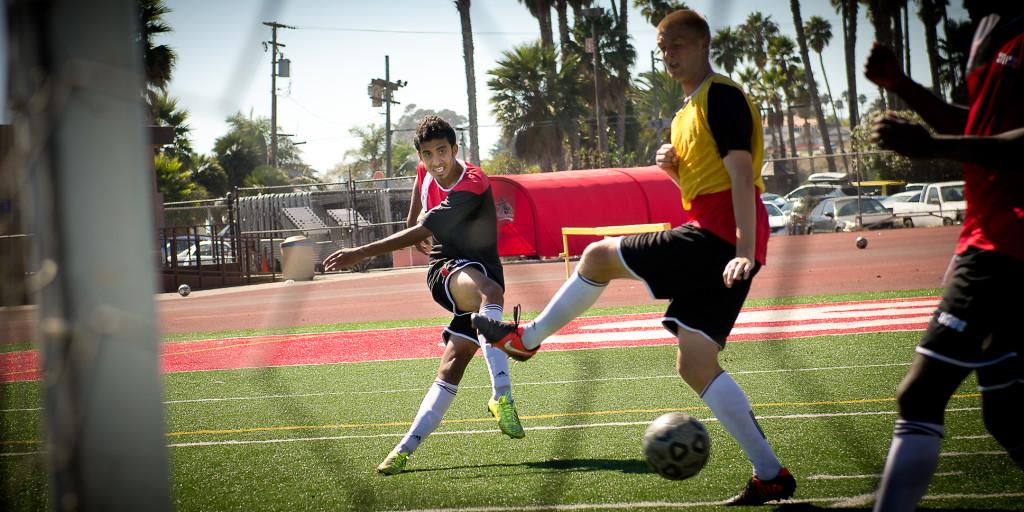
340 45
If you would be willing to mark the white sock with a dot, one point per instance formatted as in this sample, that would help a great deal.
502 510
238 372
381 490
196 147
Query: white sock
572 299
432 409
732 408
913 457
497 361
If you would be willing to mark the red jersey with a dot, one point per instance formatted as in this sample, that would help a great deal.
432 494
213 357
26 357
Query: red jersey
994 220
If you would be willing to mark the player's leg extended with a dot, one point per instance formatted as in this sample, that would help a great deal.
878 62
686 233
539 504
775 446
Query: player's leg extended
697 363
1002 396
468 286
456 357
599 264
917 436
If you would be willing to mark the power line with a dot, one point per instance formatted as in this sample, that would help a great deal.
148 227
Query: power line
417 32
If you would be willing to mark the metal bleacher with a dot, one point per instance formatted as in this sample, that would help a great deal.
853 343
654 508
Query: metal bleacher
305 219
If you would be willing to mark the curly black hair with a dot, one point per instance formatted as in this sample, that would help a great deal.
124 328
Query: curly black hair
433 127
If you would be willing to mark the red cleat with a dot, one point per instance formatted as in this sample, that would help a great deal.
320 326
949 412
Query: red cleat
505 336
759 492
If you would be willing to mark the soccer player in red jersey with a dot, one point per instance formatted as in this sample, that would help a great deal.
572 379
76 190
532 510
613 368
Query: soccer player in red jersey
974 327
464 276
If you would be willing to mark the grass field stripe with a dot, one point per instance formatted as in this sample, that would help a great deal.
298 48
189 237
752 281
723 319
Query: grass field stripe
983 436
870 476
484 386
694 504
972 454
532 428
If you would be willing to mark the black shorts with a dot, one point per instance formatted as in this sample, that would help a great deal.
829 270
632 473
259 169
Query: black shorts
975 325
685 265
438 274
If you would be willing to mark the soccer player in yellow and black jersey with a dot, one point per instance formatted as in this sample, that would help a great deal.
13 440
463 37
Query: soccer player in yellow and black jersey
703 267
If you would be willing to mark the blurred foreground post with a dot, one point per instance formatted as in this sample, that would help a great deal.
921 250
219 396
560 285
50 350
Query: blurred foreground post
76 82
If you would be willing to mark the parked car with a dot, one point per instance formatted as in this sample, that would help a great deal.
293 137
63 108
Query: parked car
841 213
827 177
777 220
820 190
207 252
777 200
910 196
914 186
940 204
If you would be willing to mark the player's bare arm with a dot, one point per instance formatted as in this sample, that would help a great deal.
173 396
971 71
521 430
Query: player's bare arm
415 217
343 258
910 139
740 166
668 161
883 69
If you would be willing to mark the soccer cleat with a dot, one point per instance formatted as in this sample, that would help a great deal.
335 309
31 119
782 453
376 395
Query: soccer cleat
505 336
508 420
394 463
759 492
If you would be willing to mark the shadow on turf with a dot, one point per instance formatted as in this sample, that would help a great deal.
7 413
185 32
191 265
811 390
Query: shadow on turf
807 507
623 466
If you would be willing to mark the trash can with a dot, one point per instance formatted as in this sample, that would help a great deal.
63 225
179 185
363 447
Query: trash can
297 258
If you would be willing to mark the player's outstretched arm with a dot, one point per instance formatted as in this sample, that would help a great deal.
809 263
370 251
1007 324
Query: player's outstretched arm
910 139
344 258
883 69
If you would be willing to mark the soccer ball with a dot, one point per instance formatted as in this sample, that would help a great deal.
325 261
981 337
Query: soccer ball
862 242
676 446
184 290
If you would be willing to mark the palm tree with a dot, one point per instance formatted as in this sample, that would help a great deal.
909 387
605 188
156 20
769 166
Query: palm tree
654 10
541 9
847 10
165 112
533 116
801 40
621 59
655 97
726 49
880 15
158 59
819 34
782 52
565 50
755 32
929 14
467 55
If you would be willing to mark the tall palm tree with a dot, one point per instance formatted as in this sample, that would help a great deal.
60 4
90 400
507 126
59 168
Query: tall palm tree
880 15
467 55
756 32
158 59
165 112
565 50
726 49
656 96
654 10
621 60
782 52
929 14
819 34
801 40
847 10
534 116
541 9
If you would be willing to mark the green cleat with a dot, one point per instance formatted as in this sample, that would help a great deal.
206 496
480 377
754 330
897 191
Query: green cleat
394 463
508 420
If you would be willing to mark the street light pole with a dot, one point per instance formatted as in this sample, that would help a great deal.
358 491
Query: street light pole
602 138
273 87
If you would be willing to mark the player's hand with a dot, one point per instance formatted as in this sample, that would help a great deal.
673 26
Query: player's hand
882 68
666 158
342 258
738 269
904 137
424 246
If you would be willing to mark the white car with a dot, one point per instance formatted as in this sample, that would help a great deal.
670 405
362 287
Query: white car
207 252
777 220
896 201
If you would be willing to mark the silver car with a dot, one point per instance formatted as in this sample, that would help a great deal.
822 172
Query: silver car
841 214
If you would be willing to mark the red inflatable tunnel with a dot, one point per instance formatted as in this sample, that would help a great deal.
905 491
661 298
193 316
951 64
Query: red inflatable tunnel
533 208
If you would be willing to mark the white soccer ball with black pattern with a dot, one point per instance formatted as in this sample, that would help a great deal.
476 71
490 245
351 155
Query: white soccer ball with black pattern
676 446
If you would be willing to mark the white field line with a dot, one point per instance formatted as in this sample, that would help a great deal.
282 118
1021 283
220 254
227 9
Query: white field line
693 504
517 384
983 436
613 424
870 476
891 324
788 315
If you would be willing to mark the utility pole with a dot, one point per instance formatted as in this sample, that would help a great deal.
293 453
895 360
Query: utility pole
273 85
380 91
593 13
